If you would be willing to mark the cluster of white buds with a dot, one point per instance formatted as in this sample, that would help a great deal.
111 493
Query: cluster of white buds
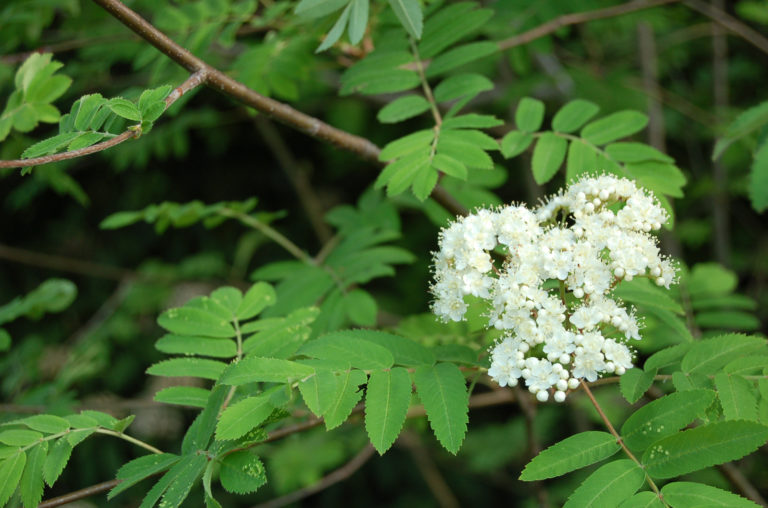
550 286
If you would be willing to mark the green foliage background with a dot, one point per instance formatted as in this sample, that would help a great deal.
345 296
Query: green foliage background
80 303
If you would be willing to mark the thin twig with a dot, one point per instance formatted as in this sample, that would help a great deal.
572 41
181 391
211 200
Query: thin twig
331 479
65 264
529 411
434 479
577 18
134 131
732 24
79 494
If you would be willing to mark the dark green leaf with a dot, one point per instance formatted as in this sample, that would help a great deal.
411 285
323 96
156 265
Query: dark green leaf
242 472
238 419
56 461
635 382
459 56
194 321
336 31
450 25
608 486
442 389
31 485
361 307
696 495
183 396
347 393
711 355
318 8
201 346
183 367
758 179
10 474
738 397
349 347
271 370
570 454
386 403
529 114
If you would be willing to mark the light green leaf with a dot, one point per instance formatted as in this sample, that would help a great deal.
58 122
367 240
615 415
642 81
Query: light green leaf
635 382
87 106
548 156
124 108
645 499
405 351
696 495
256 299
461 85
56 461
615 126
48 424
642 292
636 152
228 297
582 158
270 370
460 55
450 166
529 114
738 397
319 391
361 307
758 179
10 474
192 367
242 472
410 16
336 31
19 437
195 322
450 25
358 20
346 346
31 485
50 145
710 355
403 108
471 121
347 393
514 143
664 416
608 486
238 419
318 8
136 470
746 366
748 121
701 447
85 140
386 403
423 183
442 389
570 454
406 145
659 177
183 396
202 346
573 115
468 154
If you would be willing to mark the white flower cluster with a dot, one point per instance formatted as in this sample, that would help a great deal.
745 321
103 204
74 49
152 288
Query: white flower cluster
550 288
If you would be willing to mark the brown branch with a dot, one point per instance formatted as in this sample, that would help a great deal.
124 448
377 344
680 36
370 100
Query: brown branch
529 411
133 132
64 264
434 479
79 494
730 23
283 113
577 18
331 479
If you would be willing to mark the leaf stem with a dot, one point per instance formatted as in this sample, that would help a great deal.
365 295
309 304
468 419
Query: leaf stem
130 439
425 86
619 440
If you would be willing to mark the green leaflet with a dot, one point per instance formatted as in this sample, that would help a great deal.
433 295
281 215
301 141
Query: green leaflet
358 20
746 366
336 31
410 16
347 393
403 108
256 299
319 391
636 152
466 86
758 179
442 389
529 114
608 486
405 351
664 417
514 143
738 397
53 295
450 25
121 107
635 382
238 419
406 145
645 499
582 158
56 461
242 472
548 156
642 292
201 346
658 177
136 470
19 437
48 424
573 115
694 449
694 495
199 434
10 473
386 404
570 454
272 370
31 485
614 126
460 55
183 396
175 485
349 347
748 121
667 357
710 355
193 367
192 321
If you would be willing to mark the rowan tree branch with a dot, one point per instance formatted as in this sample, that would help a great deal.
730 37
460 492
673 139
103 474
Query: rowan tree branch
730 23
192 82
578 18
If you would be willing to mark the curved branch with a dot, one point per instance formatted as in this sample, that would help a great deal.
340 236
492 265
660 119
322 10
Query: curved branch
79 494
578 18
133 132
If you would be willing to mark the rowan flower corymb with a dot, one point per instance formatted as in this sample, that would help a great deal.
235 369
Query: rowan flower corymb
548 275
